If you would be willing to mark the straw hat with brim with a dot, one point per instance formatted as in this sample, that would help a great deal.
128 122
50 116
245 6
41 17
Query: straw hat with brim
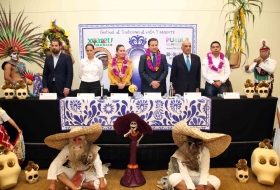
58 141
217 143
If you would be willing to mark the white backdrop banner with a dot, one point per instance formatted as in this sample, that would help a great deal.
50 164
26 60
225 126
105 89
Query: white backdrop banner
135 39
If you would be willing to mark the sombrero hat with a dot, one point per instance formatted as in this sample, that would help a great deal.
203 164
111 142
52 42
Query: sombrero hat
217 143
58 141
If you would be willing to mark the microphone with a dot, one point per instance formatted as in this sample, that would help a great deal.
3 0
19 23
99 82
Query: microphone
102 87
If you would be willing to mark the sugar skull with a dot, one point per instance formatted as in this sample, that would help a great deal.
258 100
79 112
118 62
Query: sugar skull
263 89
31 172
249 88
9 93
31 176
21 93
265 164
9 168
242 173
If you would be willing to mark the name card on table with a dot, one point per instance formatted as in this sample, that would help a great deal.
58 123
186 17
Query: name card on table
231 95
192 95
47 96
85 95
152 95
119 96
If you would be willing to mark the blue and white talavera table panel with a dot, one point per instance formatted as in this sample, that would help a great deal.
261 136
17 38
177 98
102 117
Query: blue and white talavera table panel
160 114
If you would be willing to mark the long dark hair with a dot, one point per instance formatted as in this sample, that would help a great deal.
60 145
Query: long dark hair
119 46
89 45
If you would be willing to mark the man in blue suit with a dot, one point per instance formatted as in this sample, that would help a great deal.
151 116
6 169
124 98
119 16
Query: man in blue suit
153 69
58 71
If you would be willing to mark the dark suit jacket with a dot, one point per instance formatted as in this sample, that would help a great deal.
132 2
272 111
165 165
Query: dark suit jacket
182 79
147 75
63 73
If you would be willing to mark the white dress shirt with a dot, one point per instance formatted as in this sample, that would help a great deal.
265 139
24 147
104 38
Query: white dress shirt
269 65
210 75
91 70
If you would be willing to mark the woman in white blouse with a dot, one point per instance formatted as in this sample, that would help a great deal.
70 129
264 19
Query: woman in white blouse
90 72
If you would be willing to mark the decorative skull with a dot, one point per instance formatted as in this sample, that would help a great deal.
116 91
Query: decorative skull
31 176
31 172
242 173
133 125
249 92
249 88
263 89
9 93
265 164
9 168
21 93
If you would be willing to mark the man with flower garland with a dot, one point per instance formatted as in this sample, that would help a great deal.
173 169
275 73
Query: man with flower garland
263 68
215 70
153 69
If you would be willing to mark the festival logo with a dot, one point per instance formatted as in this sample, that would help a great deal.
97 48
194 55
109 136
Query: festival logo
137 49
104 55
101 42
174 42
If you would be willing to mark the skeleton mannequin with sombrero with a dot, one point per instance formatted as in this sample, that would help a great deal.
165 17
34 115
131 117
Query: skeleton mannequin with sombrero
263 67
189 165
84 168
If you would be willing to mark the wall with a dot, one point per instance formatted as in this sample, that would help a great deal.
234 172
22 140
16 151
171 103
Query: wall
206 14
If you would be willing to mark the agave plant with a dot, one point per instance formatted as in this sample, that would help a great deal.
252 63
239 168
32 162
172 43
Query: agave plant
235 25
19 35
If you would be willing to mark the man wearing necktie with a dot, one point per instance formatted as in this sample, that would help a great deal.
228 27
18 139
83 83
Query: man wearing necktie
58 71
185 71
153 81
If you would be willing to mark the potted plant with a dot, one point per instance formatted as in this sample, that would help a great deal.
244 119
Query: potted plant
235 28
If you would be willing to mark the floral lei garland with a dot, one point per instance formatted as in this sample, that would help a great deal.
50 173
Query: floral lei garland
58 33
210 62
115 67
149 62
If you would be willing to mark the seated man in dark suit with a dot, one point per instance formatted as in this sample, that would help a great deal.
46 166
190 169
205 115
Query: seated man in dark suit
153 69
58 71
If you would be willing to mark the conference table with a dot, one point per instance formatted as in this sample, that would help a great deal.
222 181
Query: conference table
248 121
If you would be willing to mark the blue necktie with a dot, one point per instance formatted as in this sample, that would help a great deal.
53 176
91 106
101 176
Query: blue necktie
154 60
188 63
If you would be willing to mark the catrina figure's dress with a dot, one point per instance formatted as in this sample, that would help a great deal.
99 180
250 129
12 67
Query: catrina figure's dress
133 176
4 137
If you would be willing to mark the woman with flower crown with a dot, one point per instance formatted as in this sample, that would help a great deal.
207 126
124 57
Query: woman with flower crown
90 72
120 71
215 70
